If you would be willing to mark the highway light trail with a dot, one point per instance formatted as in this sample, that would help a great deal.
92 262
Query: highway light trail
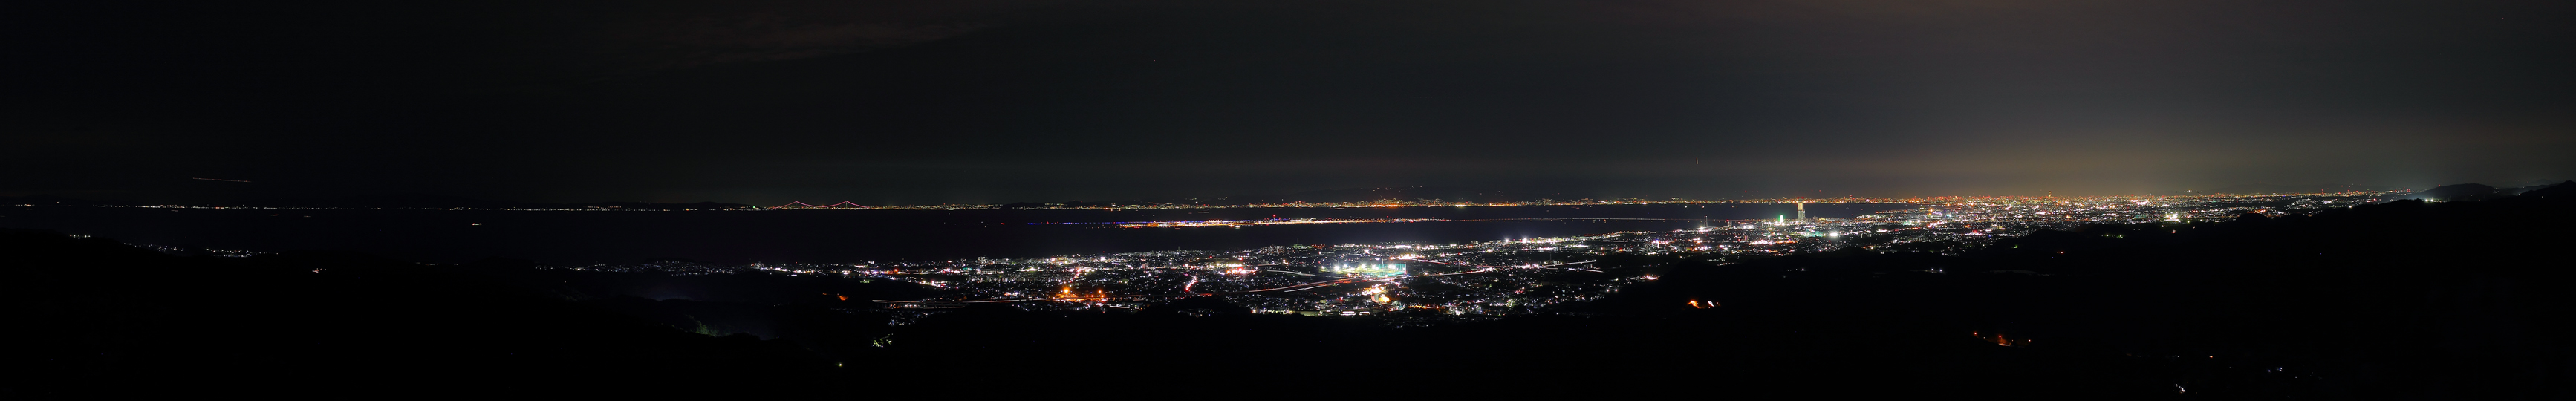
803 205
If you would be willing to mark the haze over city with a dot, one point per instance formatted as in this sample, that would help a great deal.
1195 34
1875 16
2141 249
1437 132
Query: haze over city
766 102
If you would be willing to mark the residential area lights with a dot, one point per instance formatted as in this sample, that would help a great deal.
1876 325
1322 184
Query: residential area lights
1396 203
1474 280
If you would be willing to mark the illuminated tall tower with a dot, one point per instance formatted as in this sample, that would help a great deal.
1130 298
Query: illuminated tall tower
1802 211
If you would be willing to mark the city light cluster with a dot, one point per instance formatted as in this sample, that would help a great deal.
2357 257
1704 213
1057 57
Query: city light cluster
1488 279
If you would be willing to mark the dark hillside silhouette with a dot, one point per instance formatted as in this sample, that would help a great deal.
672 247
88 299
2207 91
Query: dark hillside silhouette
101 319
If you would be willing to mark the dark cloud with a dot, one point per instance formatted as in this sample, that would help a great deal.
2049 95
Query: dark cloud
769 38
630 38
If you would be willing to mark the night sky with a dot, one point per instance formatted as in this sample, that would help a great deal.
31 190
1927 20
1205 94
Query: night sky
764 102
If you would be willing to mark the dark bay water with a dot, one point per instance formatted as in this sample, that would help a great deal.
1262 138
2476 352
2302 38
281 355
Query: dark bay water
832 236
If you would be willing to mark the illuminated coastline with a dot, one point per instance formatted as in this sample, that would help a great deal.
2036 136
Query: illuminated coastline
1240 223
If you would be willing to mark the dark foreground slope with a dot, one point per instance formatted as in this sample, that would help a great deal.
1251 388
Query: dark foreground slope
95 318
2409 300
